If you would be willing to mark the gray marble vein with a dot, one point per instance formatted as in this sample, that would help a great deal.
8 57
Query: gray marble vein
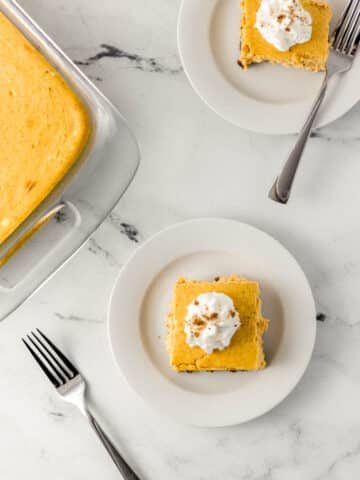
56 414
127 229
339 461
76 318
139 62
98 250
95 78
335 138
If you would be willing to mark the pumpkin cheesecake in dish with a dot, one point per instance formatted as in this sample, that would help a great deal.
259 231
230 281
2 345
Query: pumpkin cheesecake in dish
293 33
216 325
44 127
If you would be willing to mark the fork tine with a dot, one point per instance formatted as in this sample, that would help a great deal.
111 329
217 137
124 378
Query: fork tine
66 361
341 26
42 365
55 360
54 367
344 23
354 39
345 45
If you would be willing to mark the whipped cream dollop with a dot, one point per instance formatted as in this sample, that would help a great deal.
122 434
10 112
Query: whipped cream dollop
211 321
284 23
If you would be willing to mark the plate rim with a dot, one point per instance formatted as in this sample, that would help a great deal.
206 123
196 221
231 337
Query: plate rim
270 129
125 376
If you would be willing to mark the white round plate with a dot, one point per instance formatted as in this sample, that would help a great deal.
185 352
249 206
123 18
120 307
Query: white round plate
202 249
266 98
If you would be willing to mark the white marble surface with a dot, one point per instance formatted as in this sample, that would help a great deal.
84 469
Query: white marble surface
193 164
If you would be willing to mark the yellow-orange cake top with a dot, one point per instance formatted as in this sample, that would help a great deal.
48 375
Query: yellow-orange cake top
245 350
311 55
44 127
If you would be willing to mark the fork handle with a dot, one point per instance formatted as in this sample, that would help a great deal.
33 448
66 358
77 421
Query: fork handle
126 471
280 191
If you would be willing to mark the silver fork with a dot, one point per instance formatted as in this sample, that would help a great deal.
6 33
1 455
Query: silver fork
71 387
345 41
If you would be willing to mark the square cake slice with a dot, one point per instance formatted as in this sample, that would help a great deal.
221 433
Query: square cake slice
244 351
311 55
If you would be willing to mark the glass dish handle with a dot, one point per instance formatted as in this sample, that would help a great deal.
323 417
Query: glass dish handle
32 257
31 231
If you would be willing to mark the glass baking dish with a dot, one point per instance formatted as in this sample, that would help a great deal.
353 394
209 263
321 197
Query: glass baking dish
85 196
